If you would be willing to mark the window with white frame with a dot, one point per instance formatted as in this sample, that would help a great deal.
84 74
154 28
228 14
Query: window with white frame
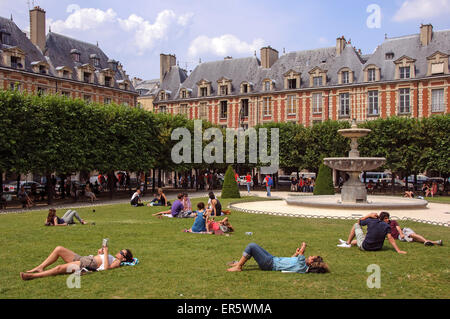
183 109
223 109
107 100
203 111
290 103
267 86
405 101
373 108
437 100
163 109
292 83
223 89
405 72
203 91
266 106
371 75
317 81
345 77
344 104
244 108
317 103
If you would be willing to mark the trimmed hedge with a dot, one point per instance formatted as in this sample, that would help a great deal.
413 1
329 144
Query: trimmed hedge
230 188
324 182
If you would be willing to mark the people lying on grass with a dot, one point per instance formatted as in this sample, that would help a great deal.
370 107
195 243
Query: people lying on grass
218 227
199 225
297 263
67 219
75 262
408 235
176 211
136 199
409 194
159 200
377 230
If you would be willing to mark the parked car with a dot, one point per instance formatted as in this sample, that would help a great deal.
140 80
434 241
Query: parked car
374 176
284 180
388 182
243 181
12 186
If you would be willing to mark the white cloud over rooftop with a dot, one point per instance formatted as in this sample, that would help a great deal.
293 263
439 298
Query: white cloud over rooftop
422 9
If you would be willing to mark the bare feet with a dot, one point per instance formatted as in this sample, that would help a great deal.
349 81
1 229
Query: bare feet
26 276
235 268
37 269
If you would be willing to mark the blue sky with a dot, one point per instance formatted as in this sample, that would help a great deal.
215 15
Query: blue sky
135 32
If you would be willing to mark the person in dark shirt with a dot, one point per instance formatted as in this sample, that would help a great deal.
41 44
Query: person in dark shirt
377 230
407 234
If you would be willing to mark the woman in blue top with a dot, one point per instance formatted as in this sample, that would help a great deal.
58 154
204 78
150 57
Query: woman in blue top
297 263
199 225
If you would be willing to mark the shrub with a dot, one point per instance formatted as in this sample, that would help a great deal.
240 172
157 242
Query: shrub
230 188
324 181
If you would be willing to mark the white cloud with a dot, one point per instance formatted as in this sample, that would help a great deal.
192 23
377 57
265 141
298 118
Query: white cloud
422 9
224 45
141 34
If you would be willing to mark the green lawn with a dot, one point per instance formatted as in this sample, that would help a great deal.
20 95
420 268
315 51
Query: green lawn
177 265
439 199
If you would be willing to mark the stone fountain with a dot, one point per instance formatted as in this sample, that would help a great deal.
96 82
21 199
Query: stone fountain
353 192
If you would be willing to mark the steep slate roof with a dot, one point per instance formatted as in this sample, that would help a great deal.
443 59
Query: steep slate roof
172 80
249 69
58 48
20 40
409 46
147 87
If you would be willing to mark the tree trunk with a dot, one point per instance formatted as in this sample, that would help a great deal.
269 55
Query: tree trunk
159 178
111 183
153 180
50 189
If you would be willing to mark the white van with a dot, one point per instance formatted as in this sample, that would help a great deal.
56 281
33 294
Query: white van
374 176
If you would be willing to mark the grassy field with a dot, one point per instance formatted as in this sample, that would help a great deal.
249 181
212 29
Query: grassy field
177 265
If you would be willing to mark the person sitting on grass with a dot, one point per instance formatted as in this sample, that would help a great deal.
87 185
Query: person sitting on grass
215 205
177 209
74 262
408 235
297 263
377 230
136 199
409 194
199 225
67 219
159 200
89 193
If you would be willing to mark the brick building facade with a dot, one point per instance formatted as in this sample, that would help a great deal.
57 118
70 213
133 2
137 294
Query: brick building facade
405 76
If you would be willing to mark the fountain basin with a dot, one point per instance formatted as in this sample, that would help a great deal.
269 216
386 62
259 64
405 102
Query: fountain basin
373 202
354 132
353 164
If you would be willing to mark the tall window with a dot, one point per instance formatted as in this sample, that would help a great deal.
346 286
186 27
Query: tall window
223 89
292 83
437 100
107 81
290 102
183 94
344 107
41 91
163 109
184 109
317 103
345 77
371 75
317 81
65 93
405 106
244 108
405 72
107 100
245 88
267 86
373 103
203 91
203 111
223 109
266 106
15 86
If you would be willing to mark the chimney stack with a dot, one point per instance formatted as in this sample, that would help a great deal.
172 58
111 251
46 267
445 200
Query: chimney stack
340 45
426 34
166 62
268 57
37 27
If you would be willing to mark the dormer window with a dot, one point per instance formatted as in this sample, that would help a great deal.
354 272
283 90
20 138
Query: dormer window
404 68
317 77
86 77
162 96
389 56
245 88
75 54
372 73
223 90
345 76
437 64
317 81
204 88
16 62
95 61
185 93
292 83
224 86
405 72
291 80
5 37
42 69
112 65
108 81
65 74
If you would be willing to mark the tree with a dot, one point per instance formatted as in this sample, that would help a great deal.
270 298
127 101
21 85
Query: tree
230 187
324 181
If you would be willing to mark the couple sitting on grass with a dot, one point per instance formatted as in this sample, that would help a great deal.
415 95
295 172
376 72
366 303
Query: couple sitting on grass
204 224
75 262
378 228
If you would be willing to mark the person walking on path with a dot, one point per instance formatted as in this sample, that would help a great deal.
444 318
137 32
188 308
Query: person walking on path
269 183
